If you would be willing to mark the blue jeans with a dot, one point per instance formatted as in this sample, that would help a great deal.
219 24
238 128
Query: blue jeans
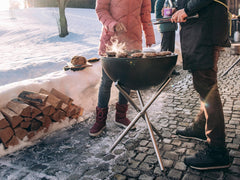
105 92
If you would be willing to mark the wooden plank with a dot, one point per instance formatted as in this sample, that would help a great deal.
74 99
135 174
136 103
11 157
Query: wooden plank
61 96
33 98
12 117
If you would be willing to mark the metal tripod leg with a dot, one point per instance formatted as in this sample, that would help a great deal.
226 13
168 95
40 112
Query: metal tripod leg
141 113
151 133
135 106
231 67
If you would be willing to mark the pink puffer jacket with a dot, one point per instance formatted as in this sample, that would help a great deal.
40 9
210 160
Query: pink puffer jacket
134 14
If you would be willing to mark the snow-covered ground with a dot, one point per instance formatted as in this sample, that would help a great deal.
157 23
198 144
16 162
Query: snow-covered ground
33 55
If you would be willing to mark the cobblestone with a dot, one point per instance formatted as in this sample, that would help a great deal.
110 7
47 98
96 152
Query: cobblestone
70 154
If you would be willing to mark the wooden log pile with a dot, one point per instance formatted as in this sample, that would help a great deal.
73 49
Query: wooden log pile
32 112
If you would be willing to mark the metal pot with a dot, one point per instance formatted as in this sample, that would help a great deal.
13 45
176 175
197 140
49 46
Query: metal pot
139 73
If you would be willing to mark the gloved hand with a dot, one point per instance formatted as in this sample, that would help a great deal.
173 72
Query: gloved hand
119 27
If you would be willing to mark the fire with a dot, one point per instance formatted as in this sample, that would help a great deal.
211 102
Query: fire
116 46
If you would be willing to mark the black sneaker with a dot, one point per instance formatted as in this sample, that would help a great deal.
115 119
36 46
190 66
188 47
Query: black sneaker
175 73
210 158
192 133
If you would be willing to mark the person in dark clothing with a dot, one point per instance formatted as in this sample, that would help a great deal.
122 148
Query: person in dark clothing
167 30
201 41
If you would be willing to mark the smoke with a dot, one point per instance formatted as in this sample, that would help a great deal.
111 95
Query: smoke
116 46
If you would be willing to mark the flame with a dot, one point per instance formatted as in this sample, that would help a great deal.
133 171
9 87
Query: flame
116 46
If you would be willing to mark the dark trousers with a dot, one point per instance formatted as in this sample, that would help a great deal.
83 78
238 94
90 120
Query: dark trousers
168 41
205 83
105 92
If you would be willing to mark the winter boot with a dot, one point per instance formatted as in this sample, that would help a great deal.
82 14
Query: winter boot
196 131
100 124
209 158
121 119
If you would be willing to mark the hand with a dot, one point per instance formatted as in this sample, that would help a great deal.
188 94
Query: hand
119 27
179 16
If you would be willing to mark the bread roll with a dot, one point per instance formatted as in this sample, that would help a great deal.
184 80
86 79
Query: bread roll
164 53
150 54
78 60
122 55
137 55
111 54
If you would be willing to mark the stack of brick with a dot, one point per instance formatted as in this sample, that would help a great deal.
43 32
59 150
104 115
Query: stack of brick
32 112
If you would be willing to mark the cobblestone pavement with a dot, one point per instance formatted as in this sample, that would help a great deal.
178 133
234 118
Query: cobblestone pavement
71 154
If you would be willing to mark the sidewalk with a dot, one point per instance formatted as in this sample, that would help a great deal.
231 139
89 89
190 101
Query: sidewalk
71 154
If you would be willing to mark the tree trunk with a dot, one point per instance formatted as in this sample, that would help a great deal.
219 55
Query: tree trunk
62 19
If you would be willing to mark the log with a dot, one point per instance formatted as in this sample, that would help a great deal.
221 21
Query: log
58 115
13 142
46 121
61 96
53 100
6 134
47 109
76 111
22 108
12 117
20 133
3 122
31 134
64 107
27 119
33 98
71 110
25 125
35 125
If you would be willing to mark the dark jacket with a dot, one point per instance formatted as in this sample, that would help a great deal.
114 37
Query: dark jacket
166 27
199 36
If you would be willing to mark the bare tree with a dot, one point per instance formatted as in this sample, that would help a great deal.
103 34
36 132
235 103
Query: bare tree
63 29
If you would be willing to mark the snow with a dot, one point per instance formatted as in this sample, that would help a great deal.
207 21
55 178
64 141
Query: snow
33 55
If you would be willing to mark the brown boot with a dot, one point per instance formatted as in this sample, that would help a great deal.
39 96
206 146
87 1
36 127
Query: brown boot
100 124
121 119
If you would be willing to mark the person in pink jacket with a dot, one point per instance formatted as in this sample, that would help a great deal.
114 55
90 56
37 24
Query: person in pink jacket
124 22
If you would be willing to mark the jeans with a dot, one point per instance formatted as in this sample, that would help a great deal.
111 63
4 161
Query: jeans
105 92
205 83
